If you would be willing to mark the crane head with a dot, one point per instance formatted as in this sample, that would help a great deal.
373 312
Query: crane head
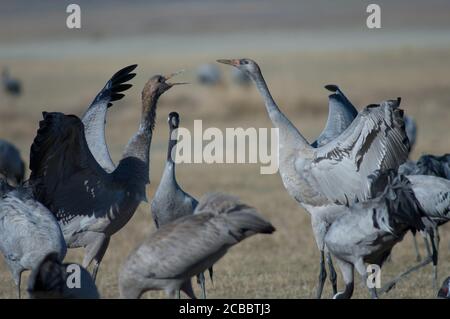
158 84
173 120
248 66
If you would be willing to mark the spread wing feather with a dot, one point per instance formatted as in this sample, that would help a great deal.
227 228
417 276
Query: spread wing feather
376 139
95 117
65 176
341 114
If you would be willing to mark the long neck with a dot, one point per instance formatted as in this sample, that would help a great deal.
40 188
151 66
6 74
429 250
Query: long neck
172 143
169 170
279 120
139 144
168 183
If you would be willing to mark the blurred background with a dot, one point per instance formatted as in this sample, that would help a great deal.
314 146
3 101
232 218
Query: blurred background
300 45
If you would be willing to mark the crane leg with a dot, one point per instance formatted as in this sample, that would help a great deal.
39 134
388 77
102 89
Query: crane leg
201 281
95 251
187 289
333 275
18 287
347 271
416 248
18 279
373 293
434 256
391 284
322 275
361 269
211 273
99 256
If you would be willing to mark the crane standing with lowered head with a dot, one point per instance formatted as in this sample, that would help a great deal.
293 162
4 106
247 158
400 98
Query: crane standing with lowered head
189 245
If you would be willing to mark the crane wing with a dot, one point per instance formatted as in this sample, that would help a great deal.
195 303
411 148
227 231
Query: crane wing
376 139
193 243
65 176
95 117
433 194
341 114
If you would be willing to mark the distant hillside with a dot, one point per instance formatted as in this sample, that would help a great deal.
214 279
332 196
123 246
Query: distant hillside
32 20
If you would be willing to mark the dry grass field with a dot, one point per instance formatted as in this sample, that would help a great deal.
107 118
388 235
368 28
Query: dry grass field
284 265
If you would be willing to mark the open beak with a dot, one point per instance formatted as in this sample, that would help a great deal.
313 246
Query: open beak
167 77
233 62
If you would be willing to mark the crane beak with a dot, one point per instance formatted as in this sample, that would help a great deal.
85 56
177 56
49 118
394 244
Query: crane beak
233 62
177 83
167 77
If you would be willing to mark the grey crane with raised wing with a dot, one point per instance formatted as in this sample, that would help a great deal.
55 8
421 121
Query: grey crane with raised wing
90 203
324 179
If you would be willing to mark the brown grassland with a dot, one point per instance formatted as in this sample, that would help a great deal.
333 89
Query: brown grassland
284 265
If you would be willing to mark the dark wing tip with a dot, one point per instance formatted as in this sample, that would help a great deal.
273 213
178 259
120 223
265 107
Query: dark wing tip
115 85
332 87
116 96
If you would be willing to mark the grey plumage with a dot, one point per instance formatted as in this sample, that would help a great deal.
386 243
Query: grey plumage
189 245
90 203
428 165
240 78
367 231
411 130
28 231
324 179
12 166
11 85
170 200
433 194
341 114
431 165
52 279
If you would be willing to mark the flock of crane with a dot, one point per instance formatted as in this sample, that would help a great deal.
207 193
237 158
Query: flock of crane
355 180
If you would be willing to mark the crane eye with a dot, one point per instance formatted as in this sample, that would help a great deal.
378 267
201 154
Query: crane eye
244 62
